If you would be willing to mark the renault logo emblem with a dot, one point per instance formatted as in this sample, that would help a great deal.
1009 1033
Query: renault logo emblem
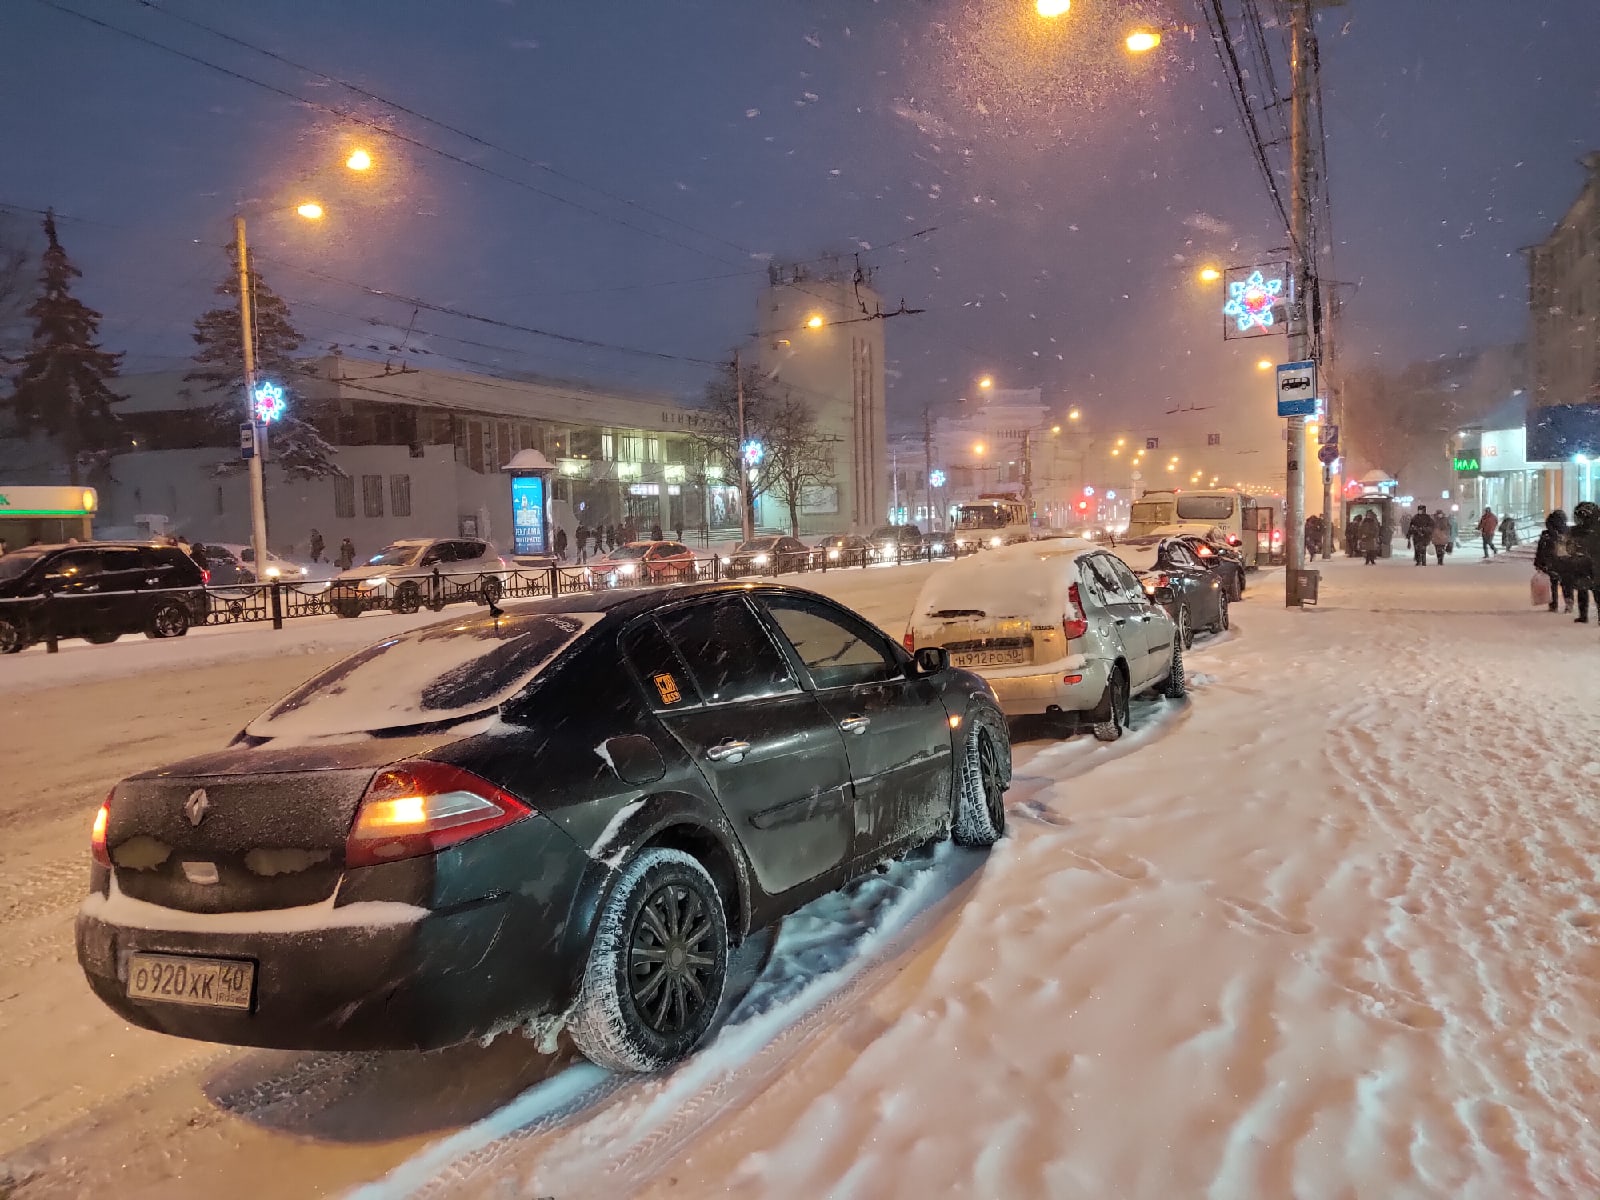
197 806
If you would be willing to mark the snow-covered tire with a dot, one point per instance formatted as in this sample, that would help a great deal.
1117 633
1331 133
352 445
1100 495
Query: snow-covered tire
980 818
1238 586
1115 704
615 1021
1176 685
11 639
407 600
1224 620
1185 627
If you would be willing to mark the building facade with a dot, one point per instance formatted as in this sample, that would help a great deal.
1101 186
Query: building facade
1564 310
423 454
820 338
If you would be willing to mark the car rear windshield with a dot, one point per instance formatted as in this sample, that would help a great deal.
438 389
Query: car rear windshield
440 673
758 544
395 556
627 553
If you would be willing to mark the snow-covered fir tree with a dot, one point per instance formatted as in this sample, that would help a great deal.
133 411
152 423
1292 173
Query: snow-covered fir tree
293 442
63 388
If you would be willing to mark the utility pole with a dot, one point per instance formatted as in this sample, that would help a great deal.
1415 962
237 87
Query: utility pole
247 341
746 513
1300 247
1027 476
927 466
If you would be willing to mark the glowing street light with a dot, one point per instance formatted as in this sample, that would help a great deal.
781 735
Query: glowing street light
977 448
1052 8
815 321
310 210
986 383
1143 41
1055 429
359 160
1210 274
1263 364
1074 415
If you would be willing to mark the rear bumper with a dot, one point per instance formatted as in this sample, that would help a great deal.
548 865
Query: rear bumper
454 973
1034 693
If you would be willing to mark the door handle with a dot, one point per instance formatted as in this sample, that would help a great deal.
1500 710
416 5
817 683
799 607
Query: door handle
855 724
729 751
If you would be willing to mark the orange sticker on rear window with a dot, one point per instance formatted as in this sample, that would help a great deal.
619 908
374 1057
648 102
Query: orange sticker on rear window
668 687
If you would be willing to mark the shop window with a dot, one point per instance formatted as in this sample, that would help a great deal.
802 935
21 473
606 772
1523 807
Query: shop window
372 495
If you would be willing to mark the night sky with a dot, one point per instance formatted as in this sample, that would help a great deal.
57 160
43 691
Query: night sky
1073 189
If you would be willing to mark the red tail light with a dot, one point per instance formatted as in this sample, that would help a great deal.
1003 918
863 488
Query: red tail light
421 807
1152 582
205 574
1074 626
97 835
1204 551
910 642
1234 539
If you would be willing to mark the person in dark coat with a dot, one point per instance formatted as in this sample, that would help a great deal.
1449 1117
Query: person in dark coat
1313 536
1352 536
561 544
1367 537
317 545
611 537
655 532
1420 534
1552 549
1585 539
347 554
677 533
1508 533
583 543
1487 524
1443 538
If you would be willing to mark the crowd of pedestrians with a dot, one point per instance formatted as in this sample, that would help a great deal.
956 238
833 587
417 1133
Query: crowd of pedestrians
1566 555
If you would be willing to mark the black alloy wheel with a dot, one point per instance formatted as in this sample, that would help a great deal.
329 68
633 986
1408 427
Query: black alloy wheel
658 965
1224 621
1238 583
408 599
493 589
170 620
11 639
1185 627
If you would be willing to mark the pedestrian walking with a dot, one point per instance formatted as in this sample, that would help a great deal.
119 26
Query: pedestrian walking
1508 533
1313 536
1487 524
655 532
583 544
198 553
611 537
561 544
347 554
1585 544
1419 534
1352 536
677 532
1441 536
1366 538
1551 550
317 545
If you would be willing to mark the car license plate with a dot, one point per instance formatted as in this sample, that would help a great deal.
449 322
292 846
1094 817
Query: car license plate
204 982
987 658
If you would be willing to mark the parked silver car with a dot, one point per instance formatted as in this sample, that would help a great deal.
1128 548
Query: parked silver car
1057 627
400 577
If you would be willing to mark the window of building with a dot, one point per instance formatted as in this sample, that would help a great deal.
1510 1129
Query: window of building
344 496
400 495
475 439
608 447
372 495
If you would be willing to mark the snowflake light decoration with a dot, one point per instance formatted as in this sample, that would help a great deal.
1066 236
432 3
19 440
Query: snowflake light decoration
1250 303
268 402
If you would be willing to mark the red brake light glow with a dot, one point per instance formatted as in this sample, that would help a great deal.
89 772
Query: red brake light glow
421 807
910 642
205 574
97 835
1074 625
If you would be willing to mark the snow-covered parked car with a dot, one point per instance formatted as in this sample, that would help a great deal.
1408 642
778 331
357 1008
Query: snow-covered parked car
1055 627
563 815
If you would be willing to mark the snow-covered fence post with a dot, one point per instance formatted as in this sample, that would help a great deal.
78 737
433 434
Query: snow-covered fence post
52 644
277 603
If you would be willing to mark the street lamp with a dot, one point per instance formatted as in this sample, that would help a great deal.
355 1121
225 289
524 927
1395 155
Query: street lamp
1210 274
1263 364
359 160
1074 415
1052 8
815 321
1143 41
986 382
310 210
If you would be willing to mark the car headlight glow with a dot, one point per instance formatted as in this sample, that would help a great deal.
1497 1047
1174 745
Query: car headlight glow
377 581
833 554
726 560
273 572
994 541
625 569
760 560
938 547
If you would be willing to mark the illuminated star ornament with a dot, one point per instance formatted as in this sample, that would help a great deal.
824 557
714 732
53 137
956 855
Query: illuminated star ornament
1250 303
268 402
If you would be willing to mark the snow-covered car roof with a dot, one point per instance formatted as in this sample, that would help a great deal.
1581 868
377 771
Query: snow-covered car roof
1198 529
1140 554
1022 580
440 673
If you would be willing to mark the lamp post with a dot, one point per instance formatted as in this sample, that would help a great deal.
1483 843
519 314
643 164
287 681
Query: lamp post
247 341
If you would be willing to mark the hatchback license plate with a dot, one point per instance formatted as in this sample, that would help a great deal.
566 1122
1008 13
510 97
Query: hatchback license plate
203 982
986 658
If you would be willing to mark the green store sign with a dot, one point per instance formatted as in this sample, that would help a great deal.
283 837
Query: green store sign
1466 464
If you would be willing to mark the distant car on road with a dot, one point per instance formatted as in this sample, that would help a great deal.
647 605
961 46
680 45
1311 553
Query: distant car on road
1058 627
641 563
767 556
98 591
400 576
569 813
844 550
895 542
1192 594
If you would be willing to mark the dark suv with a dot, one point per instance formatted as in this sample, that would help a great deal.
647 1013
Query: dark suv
98 591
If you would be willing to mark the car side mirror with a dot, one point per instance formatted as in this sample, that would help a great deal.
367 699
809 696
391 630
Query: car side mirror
931 660
1163 595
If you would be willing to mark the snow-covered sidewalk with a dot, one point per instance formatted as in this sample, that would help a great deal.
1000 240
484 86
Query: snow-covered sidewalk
1329 929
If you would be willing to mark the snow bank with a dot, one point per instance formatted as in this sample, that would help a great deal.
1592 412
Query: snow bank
121 909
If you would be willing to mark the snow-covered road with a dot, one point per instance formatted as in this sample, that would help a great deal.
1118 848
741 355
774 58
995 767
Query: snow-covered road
1331 929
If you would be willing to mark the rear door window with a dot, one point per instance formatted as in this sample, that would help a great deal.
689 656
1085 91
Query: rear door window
666 682
75 566
838 650
728 652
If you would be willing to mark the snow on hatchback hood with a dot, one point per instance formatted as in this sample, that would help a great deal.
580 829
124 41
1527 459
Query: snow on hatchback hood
1014 581
443 672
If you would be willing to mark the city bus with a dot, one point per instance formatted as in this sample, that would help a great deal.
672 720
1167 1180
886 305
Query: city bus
1230 511
993 519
